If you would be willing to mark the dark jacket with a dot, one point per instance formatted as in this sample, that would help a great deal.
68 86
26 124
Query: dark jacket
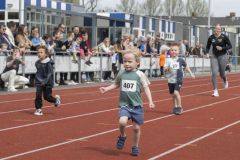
222 41
44 75
4 39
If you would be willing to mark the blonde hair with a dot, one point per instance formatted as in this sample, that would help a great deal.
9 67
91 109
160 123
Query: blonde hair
135 51
163 51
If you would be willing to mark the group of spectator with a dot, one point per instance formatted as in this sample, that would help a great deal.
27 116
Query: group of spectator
17 41
75 43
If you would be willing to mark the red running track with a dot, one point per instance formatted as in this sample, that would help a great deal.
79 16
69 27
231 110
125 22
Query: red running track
86 125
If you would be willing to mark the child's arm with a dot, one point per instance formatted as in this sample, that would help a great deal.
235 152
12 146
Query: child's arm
167 69
189 71
149 97
108 88
145 83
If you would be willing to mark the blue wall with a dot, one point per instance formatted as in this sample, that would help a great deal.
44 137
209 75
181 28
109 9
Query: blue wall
2 4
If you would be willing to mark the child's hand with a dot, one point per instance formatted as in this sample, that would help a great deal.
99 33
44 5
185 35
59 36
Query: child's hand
151 105
193 76
102 89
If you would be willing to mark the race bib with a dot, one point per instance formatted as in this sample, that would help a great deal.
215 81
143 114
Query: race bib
129 86
175 65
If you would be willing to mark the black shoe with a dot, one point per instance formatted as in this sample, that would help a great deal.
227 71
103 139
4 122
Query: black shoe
62 83
88 63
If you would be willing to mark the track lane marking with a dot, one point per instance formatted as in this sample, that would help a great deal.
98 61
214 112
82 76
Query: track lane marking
28 99
91 100
98 112
193 141
116 129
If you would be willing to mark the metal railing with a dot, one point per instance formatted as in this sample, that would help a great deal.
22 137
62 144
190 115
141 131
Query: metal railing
149 64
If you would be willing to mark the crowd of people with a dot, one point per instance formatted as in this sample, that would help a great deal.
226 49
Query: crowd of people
17 41
76 43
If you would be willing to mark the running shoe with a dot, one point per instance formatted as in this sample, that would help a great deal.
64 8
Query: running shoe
215 93
226 84
38 112
12 89
179 110
58 101
135 151
120 142
174 110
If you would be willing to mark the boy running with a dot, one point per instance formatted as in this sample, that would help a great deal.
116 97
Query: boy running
174 73
130 81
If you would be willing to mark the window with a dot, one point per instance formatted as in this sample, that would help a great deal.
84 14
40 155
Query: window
33 16
28 16
38 17
2 15
48 19
68 21
53 20
13 15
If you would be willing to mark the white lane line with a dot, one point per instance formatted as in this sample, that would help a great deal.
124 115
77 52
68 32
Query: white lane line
89 100
91 92
64 104
98 112
193 141
31 99
55 120
19 100
106 132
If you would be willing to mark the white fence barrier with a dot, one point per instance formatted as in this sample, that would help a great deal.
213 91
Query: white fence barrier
64 64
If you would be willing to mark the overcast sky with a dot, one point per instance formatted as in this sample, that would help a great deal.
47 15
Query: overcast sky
219 8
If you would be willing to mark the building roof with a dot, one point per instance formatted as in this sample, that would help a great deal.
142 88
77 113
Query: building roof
203 21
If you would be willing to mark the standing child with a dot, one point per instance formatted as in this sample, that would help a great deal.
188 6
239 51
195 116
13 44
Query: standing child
130 81
162 61
174 68
84 48
44 80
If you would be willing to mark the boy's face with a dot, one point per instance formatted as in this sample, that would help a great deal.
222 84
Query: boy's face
129 62
175 51
58 36
85 36
41 54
